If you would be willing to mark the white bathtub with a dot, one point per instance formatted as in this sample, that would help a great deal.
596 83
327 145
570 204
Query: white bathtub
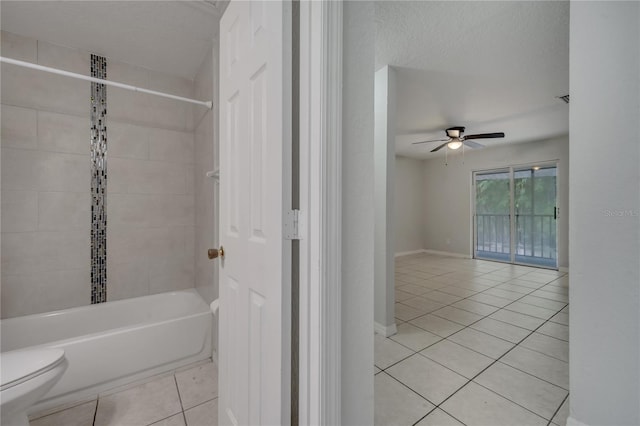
114 343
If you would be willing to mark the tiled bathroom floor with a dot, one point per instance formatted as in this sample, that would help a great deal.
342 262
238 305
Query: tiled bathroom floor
478 343
187 398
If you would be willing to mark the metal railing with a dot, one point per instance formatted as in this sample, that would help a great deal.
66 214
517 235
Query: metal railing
535 235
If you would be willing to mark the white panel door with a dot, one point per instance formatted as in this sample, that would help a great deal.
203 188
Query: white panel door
255 188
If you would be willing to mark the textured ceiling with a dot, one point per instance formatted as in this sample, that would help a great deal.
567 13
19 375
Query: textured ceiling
489 66
168 36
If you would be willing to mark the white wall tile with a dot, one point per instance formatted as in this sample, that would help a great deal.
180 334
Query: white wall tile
128 107
63 172
129 279
171 146
156 210
36 89
37 292
19 127
146 177
127 140
19 47
19 211
19 169
170 273
27 252
64 58
63 133
64 211
128 244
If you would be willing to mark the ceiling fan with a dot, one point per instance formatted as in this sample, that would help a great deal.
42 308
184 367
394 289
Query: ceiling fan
455 139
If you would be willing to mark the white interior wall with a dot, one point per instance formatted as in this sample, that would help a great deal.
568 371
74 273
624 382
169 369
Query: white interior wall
448 190
46 182
605 214
409 205
357 216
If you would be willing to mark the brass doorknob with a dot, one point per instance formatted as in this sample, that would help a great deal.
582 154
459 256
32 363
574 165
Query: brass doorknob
213 253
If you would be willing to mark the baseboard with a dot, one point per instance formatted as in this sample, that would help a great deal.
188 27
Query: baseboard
573 422
407 253
385 331
446 253
564 269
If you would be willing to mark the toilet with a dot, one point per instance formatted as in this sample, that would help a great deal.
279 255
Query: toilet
25 377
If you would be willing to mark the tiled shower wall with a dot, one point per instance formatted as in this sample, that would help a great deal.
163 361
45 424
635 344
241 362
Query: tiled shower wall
206 271
46 182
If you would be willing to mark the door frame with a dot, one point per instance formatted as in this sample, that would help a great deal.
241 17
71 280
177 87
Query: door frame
511 170
320 218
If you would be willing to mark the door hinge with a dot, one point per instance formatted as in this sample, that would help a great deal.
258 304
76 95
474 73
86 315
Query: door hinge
292 225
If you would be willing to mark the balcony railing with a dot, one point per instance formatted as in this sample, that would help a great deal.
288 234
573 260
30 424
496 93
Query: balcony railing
535 238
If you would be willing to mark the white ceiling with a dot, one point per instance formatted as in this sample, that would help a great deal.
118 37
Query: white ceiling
169 36
489 66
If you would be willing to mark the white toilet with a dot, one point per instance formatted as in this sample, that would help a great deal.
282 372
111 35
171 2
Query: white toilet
25 377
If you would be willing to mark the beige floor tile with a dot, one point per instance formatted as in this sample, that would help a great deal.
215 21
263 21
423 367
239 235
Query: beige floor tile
422 304
560 418
543 303
490 300
395 404
561 318
514 288
426 377
559 331
80 415
437 325
530 392
141 405
441 297
413 289
177 420
387 352
551 295
438 418
475 405
505 294
475 307
407 313
198 385
402 295
517 319
457 315
203 415
539 365
531 310
414 337
548 345
501 329
490 346
462 360
457 291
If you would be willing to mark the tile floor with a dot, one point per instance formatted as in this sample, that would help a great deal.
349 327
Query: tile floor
478 343
187 398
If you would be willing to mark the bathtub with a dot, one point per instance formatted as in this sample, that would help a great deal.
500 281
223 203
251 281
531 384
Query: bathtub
115 343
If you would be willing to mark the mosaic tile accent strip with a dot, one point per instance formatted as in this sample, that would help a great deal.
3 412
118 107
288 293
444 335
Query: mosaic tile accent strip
98 181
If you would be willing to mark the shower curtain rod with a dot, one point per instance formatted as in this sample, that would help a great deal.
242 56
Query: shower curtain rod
101 81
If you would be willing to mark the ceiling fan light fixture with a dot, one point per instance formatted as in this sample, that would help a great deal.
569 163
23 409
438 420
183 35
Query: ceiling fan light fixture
455 144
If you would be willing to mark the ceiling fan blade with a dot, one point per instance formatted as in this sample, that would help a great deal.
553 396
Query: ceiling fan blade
485 136
440 147
436 140
472 144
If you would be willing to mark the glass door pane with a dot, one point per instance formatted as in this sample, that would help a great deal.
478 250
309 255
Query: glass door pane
493 205
535 216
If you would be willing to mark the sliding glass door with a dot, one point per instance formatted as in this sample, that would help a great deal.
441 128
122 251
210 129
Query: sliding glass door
515 215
